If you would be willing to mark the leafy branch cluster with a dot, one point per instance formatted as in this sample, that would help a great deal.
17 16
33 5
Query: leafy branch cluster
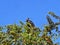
28 34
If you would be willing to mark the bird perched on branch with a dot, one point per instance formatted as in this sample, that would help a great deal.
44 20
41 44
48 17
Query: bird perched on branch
30 22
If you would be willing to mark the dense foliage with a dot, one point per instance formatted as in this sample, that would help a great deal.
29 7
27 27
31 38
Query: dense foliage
28 34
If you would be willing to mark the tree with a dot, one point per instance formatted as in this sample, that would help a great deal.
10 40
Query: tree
26 34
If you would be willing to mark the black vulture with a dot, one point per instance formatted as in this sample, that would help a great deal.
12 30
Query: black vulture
29 21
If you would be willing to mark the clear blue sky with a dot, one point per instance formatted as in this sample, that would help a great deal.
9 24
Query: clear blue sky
11 11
